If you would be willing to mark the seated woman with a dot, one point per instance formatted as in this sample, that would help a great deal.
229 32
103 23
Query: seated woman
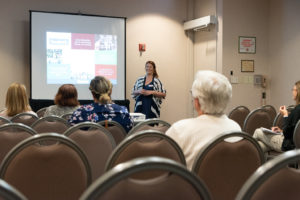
16 101
282 142
65 101
103 108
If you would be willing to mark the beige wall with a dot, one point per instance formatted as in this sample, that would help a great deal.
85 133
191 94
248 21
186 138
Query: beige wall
284 37
205 39
217 49
156 23
246 18
178 54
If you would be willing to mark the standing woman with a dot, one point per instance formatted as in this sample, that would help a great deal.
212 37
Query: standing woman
16 101
148 92
282 142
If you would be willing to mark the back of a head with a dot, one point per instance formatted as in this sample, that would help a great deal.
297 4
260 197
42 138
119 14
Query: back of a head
213 91
16 99
297 98
66 96
101 89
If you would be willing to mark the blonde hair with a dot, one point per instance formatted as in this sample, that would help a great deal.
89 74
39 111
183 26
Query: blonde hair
101 89
16 100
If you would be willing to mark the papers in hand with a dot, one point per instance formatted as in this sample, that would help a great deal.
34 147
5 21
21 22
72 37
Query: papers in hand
269 131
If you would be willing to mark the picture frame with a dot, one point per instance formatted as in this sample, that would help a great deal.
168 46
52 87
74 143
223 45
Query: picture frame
247 65
247 44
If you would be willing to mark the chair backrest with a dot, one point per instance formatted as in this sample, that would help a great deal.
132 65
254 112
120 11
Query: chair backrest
66 116
224 166
11 134
239 114
50 124
176 183
274 179
116 129
58 171
151 124
24 118
3 120
145 143
271 110
40 113
96 142
8 192
278 121
256 119
296 135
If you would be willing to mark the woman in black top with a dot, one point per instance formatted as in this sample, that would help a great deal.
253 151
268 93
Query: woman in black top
282 142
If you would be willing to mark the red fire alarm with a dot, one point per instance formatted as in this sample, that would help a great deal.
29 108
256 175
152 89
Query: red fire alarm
142 47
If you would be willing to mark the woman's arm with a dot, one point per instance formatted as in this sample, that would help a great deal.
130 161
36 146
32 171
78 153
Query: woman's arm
159 90
136 92
158 94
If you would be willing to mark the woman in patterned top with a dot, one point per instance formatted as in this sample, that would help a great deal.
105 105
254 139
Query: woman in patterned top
103 108
148 92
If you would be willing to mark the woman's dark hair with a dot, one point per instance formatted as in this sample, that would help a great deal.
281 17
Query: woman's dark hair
297 84
101 89
155 75
66 96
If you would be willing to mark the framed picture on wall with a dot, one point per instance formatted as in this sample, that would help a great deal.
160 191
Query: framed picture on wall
247 44
247 65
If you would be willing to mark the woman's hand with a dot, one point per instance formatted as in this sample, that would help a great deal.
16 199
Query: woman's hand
276 129
146 92
283 111
136 92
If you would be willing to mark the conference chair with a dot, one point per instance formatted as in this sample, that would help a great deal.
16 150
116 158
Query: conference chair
8 192
40 113
278 121
176 183
256 119
96 142
145 143
274 180
67 116
239 114
25 118
3 120
226 162
58 171
296 135
271 110
50 124
116 129
151 124
11 134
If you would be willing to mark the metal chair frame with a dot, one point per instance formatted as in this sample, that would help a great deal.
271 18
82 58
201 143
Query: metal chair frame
266 171
148 122
143 134
90 125
8 192
128 168
18 126
206 149
38 139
